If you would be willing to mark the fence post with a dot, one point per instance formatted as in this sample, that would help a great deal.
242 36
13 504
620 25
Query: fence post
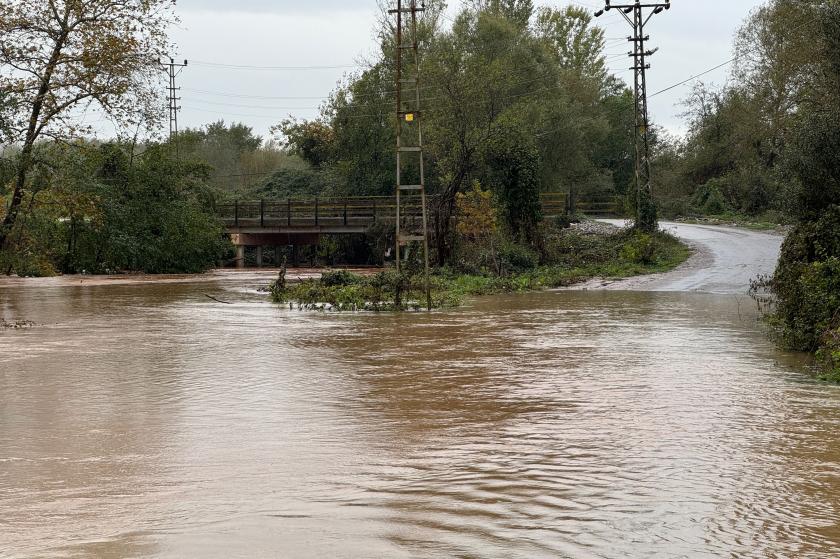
316 211
345 211
236 213
289 212
374 210
262 213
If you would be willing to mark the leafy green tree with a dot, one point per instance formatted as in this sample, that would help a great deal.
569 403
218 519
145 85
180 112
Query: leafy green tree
311 140
807 280
513 163
156 213
59 56
491 68
579 45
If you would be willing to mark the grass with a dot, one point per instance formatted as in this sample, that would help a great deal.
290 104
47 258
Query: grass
755 223
574 258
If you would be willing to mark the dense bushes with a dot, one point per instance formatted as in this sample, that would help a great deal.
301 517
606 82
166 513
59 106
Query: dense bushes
101 210
807 286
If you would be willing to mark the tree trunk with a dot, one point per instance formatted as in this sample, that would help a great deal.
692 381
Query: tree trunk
17 196
25 162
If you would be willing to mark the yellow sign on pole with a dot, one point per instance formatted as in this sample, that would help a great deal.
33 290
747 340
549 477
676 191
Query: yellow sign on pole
409 117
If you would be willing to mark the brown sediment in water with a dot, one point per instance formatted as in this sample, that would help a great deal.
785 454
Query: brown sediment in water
264 275
148 420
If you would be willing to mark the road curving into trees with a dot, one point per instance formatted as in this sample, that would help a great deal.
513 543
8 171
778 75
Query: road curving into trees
725 259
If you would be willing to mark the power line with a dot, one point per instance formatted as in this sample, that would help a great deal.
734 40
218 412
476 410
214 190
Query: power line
721 65
249 67
694 77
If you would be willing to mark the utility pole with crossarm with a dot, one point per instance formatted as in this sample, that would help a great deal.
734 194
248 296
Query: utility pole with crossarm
173 69
646 219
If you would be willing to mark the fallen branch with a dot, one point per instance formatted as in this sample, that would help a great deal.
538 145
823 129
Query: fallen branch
218 300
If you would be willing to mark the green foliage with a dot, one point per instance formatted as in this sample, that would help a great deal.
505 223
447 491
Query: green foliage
813 162
709 198
521 108
385 291
100 209
807 281
339 278
639 248
516 258
829 353
513 162
772 126
579 45
157 214
311 140
295 183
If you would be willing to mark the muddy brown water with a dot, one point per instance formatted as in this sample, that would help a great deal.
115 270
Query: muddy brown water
147 420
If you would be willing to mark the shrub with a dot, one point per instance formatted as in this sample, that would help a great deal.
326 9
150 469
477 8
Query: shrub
807 281
829 352
640 248
710 199
517 258
340 278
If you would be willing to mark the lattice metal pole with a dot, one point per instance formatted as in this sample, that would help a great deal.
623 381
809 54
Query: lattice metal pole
173 69
409 138
645 207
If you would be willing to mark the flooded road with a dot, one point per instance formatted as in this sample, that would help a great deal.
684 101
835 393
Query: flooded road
725 259
147 420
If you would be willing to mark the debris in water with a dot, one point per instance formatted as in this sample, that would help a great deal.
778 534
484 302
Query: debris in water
16 325
218 300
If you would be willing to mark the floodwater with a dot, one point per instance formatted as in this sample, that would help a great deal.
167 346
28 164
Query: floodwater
147 420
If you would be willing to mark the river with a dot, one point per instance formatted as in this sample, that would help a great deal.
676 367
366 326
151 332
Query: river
144 419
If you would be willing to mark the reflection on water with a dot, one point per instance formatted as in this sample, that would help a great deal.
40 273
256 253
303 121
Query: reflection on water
148 420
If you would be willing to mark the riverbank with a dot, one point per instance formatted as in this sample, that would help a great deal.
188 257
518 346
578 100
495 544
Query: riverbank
587 251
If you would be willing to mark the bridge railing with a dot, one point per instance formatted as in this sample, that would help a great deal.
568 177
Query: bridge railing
317 212
363 211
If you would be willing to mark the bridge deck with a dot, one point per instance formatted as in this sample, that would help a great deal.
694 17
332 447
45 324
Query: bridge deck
353 215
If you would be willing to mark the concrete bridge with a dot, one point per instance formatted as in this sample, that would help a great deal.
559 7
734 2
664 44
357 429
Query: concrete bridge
293 222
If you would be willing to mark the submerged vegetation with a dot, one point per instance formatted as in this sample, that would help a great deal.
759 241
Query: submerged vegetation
573 256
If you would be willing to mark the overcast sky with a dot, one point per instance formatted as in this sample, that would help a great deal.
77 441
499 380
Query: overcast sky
331 37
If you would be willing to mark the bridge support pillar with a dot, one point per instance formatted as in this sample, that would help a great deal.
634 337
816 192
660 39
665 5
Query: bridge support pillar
259 257
278 255
240 256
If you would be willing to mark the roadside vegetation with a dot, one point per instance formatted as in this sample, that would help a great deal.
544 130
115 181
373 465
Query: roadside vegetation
571 255
805 290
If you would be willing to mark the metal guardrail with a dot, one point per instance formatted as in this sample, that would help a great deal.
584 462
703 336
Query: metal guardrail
363 211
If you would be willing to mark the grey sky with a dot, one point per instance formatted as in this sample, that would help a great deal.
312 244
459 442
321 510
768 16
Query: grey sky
334 35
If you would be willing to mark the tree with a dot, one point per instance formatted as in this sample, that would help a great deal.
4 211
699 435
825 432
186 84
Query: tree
311 140
513 161
579 45
237 156
59 57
